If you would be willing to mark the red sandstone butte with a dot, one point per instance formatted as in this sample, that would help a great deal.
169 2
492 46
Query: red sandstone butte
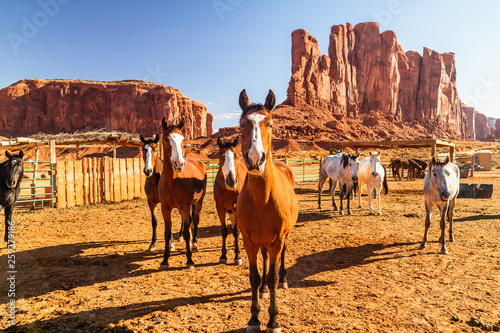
64 106
478 124
367 71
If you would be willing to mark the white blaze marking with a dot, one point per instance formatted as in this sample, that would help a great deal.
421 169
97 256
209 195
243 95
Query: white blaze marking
375 160
149 158
175 141
229 164
257 148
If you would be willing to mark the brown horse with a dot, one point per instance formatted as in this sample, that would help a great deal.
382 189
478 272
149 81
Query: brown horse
267 206
183 184
402 164
227 187
153 167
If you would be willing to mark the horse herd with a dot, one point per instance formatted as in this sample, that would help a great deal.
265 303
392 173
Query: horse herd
253 192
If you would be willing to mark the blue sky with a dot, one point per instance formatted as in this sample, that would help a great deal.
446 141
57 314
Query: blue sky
211 50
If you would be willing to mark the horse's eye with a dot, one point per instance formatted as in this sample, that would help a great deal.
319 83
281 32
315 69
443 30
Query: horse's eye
270 125
435 174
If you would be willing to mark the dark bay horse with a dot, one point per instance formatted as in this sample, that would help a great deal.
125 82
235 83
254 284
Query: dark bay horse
182 185
402 164
267 207
227 187
11 174
153 167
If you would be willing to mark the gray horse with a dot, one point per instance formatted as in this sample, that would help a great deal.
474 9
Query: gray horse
441 185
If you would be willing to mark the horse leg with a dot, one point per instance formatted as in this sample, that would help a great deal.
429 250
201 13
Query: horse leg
221 211
264 289
152 205
341 189
254 324
444 212
428 214
195 214
349 191
322 178
236 235
273 325
283 280
332 191
379 195
360 187
450 217
181 231
166 212
186 219
370 199
8 220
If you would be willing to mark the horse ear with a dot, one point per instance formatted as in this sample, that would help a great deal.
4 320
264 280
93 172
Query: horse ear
164 123
244 102
142 138
270 100
9 155
447 160
181 124
434 160
219 142
157 138
236 141
379 152
21 154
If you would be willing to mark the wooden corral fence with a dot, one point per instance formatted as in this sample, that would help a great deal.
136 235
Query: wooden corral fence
93 180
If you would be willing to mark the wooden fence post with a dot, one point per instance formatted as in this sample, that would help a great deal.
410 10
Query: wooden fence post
61 180
78 183
106 183
53 161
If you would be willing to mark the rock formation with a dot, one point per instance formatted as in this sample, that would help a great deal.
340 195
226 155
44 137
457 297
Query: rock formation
56 106
497 128
478 124
367 71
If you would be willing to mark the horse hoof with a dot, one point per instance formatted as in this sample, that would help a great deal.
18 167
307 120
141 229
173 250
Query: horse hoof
444 251
451 240
379 214
319 207
263 295
422 246
222 261
151 248
360 206
335 209
284 285
370 213
190 266
194 247
172 247
253 329
273 330
349 212
163 267
238 262
341 213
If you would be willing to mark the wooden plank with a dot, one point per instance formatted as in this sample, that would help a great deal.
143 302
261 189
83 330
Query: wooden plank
137 177
91 181
78 183
70 183
86 181
116 181
95 180
61 184
130 178
100 167
123 178
106 179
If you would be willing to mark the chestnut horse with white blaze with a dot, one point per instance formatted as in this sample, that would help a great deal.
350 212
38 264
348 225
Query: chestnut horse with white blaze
267 207
153 168
441 186
227 187
373 174
183 184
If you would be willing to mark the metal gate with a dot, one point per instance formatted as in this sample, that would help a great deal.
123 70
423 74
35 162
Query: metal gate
37 186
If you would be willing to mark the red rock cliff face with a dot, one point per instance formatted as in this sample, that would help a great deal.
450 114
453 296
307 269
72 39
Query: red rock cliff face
478 125
367 71
56 106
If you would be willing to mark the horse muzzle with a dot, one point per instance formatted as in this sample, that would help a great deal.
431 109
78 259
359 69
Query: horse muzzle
255 168
178 166
148 172
445 196
11 184
231 183
355 179
375 174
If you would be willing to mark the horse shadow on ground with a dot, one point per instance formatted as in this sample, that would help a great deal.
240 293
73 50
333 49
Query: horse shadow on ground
341 258
67 266
81 321
477 218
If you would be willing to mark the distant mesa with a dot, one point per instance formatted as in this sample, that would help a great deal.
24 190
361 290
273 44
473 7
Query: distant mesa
64 106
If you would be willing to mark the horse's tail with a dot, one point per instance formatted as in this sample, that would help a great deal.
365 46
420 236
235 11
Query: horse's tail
384 183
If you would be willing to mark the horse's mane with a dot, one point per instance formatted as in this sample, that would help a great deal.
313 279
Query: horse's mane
344 160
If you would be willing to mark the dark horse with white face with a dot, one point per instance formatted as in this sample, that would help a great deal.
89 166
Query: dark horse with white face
11 174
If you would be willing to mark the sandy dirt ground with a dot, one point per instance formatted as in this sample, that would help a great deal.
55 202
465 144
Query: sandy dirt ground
87 270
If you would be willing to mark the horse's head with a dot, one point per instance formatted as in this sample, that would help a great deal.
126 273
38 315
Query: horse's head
13 169
350 163
440 177
149 153
227 161
375 163
172 145
256 131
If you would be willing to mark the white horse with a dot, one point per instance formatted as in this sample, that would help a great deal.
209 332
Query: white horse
341 168
372 173
441 185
